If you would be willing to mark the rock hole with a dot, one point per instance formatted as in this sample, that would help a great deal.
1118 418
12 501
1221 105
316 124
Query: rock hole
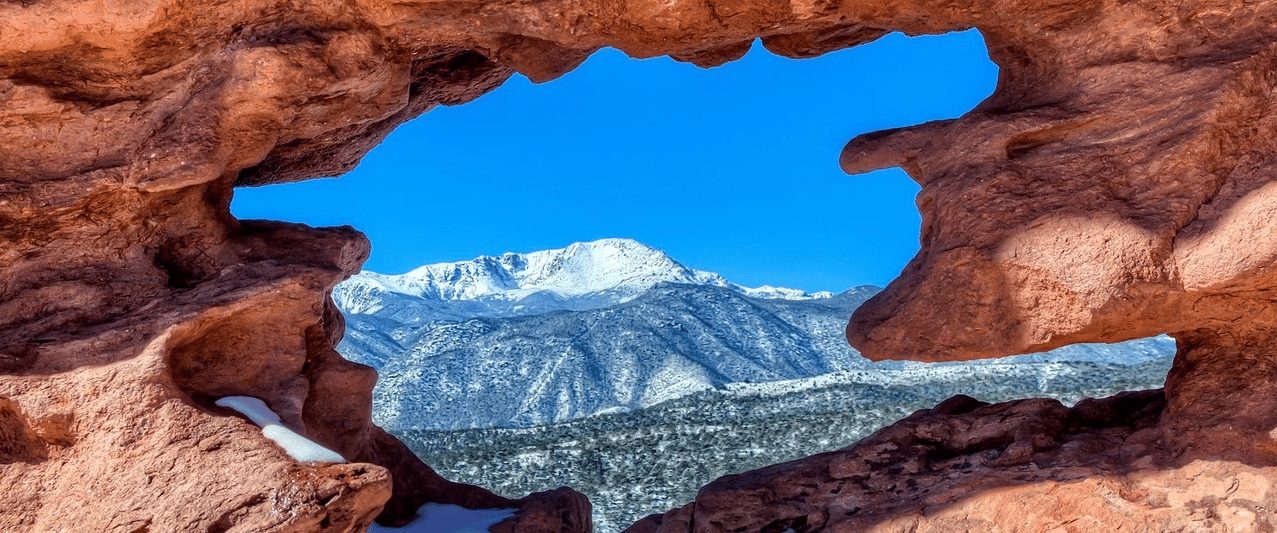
258 351
179 273
937 451
696 173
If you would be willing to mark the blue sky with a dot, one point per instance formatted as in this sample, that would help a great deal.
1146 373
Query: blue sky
732 169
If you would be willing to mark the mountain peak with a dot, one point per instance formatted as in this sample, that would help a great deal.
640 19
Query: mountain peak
577 269
582 275
586 267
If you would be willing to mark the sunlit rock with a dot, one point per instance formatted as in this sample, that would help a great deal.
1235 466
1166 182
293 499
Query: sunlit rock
1115 186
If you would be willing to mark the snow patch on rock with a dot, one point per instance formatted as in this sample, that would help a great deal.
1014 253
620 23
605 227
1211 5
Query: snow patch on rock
296 446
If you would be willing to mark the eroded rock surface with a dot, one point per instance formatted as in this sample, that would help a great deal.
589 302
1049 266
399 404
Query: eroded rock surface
99 433
1116 185
1021 466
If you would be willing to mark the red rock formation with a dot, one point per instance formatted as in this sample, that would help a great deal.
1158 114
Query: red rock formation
1116 185
130 299
1026 465
101 433
1113 187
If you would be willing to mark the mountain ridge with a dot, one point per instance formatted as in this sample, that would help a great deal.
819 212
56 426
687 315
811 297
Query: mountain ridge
578 277
521 371
490 352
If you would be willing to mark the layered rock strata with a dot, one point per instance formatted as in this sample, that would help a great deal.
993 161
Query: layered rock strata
1115 185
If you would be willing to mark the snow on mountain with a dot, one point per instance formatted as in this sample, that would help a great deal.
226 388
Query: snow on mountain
607 326
582 276
671 341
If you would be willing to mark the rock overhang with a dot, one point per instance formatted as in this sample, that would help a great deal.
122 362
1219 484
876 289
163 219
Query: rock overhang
1116 185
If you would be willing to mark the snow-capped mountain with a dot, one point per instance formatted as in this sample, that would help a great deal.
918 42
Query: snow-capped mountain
671 341
614 325
582 276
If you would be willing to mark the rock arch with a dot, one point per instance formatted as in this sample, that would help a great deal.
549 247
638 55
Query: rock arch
1117 184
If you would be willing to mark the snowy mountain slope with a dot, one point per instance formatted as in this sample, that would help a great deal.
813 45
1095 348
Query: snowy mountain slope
671 341
529 339
651 460
581 276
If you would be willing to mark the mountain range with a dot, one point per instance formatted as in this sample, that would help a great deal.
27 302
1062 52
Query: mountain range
582 276
522 340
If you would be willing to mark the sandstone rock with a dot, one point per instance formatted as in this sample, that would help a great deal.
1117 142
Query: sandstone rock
678 520
1115 185
1021 466
117 447
98 435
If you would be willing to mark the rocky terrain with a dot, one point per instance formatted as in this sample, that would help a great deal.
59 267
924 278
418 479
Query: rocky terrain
613 369
640 462
1116 185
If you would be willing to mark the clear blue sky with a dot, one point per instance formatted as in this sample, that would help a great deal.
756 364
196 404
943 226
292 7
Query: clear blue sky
732 169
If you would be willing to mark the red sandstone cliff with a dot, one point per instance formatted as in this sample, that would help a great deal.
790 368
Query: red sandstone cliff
1116 185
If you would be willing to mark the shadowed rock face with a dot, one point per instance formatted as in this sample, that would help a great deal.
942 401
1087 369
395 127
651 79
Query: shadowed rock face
1116 185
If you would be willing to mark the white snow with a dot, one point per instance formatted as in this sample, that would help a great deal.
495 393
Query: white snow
445 518
298 447
584 275
781 293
